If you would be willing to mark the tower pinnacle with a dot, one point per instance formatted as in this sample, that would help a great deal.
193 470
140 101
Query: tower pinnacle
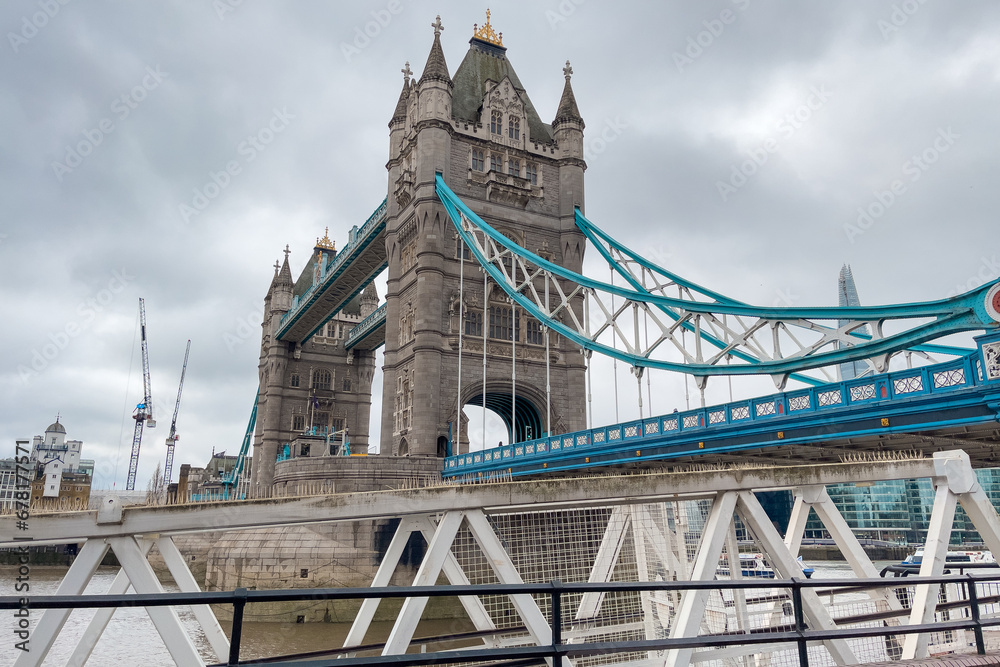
436 67
486 33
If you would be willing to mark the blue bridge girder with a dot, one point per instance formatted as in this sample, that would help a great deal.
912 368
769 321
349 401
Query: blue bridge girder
933 407
369 334
780 342
354 267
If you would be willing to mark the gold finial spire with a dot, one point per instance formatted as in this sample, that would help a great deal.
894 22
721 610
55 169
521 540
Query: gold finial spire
325 243
486 33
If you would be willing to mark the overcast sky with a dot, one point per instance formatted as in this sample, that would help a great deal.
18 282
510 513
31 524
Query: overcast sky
115 115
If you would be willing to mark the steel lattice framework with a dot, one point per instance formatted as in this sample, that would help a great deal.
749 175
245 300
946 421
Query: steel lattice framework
660 320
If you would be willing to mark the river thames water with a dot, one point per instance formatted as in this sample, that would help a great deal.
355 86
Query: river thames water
131 639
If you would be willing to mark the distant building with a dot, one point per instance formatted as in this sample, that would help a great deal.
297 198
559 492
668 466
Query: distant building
847 293
60 477
207 483
8 482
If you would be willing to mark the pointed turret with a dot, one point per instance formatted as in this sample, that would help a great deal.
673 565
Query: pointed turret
568 131
369 300
436 68
399 115
284 277
568 111
279 295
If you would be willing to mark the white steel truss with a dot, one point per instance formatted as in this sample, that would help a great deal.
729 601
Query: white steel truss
645 321
639 521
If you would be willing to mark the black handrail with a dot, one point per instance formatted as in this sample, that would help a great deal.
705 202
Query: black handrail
799 633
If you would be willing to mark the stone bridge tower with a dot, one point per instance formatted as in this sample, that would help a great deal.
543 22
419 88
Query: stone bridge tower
480 130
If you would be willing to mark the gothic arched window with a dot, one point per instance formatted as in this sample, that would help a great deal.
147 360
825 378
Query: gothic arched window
514 128
496 123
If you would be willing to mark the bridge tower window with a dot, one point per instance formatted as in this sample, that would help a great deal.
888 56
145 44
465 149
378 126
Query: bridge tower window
473 323
478 160
347 384
514 128
533 333
502 326
294 381
514 167
495 162
298 422
322 379
531 173
496 123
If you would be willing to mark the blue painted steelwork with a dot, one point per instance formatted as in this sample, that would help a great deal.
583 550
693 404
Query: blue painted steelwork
966 312
360 239
931 397
230 483
366 328
599 238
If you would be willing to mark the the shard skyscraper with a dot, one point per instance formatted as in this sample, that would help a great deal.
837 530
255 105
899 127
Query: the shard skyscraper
848 296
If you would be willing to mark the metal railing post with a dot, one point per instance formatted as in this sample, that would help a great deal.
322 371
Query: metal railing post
556 622
239 602
974 609
800 624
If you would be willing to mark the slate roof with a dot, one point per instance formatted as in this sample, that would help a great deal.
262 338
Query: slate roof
488 62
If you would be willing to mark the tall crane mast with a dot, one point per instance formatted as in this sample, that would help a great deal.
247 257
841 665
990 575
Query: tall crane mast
172 437
143 414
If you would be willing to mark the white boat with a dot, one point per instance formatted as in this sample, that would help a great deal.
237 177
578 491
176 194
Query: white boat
754 566
954 557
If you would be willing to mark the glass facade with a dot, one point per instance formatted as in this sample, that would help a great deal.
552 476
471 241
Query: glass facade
899 511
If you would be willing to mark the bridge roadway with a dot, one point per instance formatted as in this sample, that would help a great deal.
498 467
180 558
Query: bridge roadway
356 265
933 408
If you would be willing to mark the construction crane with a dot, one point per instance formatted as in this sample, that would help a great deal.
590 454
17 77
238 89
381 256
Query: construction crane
172 437
143 414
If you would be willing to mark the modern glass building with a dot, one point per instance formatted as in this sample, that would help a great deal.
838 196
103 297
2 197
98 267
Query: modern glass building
899 511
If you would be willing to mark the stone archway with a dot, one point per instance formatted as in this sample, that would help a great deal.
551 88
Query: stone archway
528 422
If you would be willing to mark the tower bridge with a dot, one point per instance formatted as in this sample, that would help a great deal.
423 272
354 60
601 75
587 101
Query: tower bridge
483 233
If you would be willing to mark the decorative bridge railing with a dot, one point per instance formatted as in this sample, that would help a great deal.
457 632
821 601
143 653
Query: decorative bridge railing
360 238
874 635
365 327
690 429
